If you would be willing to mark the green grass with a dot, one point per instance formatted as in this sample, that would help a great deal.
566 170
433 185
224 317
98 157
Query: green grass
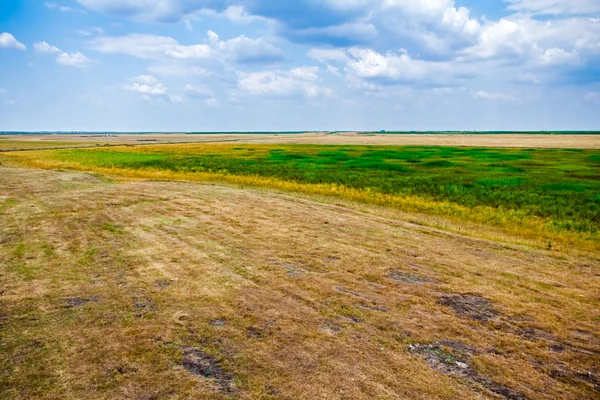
560 185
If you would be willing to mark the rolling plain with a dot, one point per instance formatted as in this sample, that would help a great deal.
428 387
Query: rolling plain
316 267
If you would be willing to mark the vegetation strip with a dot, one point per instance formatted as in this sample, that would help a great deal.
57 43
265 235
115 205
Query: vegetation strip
543 194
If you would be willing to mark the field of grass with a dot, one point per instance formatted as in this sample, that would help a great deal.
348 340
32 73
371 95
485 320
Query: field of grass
140 289
23 144
540 193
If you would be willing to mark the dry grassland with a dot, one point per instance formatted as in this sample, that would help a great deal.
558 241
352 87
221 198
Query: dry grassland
348 138
174 290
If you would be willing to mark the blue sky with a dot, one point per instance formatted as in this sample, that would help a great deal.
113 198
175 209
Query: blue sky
241 65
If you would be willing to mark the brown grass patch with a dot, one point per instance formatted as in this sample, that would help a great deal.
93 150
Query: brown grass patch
201 275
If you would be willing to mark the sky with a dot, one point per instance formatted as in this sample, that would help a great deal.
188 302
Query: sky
291 65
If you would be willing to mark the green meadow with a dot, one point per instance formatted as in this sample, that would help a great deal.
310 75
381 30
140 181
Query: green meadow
562 186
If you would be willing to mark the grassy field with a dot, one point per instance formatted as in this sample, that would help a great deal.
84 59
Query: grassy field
179 290
538 193
24 144
496 140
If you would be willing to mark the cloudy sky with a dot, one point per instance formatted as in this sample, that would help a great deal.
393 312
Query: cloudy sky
240 65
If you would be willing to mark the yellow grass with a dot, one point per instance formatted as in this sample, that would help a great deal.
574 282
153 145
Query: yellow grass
347 138
104 287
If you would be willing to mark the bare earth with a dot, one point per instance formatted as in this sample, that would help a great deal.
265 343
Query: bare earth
349 138
157 290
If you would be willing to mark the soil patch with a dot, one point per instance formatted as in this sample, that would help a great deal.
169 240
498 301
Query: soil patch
350 292
201 364
218 323
470 306
452 358
330 327
143 307
565 375
162 284
73 302
292 270
406 278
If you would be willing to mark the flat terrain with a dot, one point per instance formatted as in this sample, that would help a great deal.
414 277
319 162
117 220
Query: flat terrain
571 141
178 290
548 195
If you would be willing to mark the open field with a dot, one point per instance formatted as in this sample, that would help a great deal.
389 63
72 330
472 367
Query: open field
521 140
174 290
253 271
552 196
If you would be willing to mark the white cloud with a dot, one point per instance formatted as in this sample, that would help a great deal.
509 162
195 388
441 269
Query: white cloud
240 49
333 70
245 50
556 56
239 14
43 47
189 25
55 6
77 60
537 43
400 68
8 41
483 95
177 69
556 7
302 81
146 85
149 47
437 25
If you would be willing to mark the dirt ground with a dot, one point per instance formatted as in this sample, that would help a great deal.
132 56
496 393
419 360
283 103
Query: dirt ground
347 138
167 290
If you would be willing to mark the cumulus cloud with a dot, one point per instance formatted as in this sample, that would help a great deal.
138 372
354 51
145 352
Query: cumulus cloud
401 68
556 7
146 85
43 47
390 68
542 41
533 43
240 49
149 47
302 81
245 50
8 41
337 22
76 60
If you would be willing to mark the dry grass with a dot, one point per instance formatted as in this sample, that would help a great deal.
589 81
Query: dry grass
349 138
121 290
30 144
